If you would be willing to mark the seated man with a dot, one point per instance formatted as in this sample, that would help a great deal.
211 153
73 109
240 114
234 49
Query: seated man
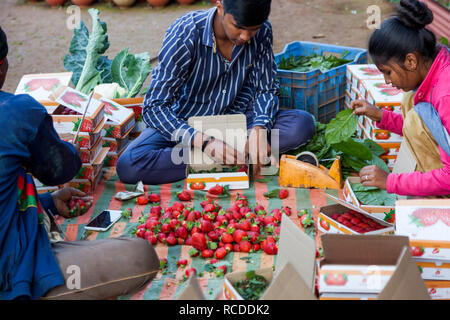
30 265
212 62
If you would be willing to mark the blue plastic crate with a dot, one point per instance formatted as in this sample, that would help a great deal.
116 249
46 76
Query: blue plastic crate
321 94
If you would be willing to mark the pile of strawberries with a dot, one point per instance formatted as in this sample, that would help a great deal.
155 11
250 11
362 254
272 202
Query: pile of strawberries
214 231
67 111
357 221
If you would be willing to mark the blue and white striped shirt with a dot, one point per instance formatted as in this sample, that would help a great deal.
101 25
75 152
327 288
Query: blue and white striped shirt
193 79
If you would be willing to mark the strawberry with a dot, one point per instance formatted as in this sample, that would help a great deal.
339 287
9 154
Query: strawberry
184 196
222 269
181 232
152 239
236 247
209 207
228 246
213 236
182 263
163 263
206 226
162 237
239 235
283 194
193 252
142 200
178 206
190 271
199 241
174 224
259 208
245 246
141 233
286 210
207 253
227 238
255 247
246 225
156 210
154 198
269 219
417 251
221 253
216 190
171 240
271 248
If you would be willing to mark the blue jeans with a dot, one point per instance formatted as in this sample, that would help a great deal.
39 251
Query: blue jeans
148 158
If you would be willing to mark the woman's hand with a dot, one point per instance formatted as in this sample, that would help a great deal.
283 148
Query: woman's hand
363 108
373 176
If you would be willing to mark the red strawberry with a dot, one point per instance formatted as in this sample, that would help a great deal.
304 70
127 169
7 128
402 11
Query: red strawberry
142 200
162 237
181 232
268 220
199 241
206 226
171 240
216 190
193 252
190 271
271 248
255 247
417 251
207 253
286 210
283 194
245 246
156 210
222 269
152 239
227 238
184 196
178 206
154 198
236 247
213 236
239 235
229 247
174 224
221 253
209 207
141 233
166 228
246 225
258 208
182 263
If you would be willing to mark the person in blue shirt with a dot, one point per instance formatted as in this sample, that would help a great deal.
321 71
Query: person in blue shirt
213 62
30 263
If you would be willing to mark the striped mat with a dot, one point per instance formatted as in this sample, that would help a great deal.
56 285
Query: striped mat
169 285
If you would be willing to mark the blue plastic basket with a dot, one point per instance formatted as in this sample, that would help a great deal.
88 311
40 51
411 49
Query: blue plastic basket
321 94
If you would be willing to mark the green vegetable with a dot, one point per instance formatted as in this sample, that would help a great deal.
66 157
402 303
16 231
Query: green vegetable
342 127
272 194
374 147
354 148
252 287
373 195
312 62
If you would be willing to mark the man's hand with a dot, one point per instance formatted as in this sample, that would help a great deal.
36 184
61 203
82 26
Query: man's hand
62 197
258 148
373 176
363 108
218 150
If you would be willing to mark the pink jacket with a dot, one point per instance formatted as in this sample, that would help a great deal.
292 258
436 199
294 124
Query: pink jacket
435 182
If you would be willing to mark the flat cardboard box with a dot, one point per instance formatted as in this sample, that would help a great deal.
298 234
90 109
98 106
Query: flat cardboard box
294 273
328 225
112 157
86 140
350 196
135 104
438 290
405 282
77 101
115 113
116 145
85 185
232 129
434 270
427 224
377 92
358 72
90 171
41 86
337 278
119 131
89 155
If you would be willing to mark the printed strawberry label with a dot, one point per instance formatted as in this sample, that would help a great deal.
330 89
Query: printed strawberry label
379 92
115 112
40 86
77 101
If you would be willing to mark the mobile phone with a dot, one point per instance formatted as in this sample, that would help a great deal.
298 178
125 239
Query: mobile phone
104 220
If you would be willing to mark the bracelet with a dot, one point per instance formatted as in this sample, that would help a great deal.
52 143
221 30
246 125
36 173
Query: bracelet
205 143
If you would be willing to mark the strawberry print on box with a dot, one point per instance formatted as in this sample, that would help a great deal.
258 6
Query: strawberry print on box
40 86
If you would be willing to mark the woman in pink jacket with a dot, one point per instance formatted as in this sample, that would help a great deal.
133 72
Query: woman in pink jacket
410 60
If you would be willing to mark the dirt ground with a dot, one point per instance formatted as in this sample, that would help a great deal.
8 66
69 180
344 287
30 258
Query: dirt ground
39 39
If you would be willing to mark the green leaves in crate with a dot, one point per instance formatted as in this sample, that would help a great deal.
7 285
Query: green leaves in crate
373 195
312 62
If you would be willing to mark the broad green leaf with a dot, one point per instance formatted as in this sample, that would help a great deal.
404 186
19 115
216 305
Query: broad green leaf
354 163
342 127
376 197
361 187
374 147
379 163
130 71
354 148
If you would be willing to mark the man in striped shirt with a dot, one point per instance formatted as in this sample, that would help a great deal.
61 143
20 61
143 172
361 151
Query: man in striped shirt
212 62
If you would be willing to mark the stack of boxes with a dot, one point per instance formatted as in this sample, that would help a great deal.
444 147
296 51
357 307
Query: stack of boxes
427 224
367 82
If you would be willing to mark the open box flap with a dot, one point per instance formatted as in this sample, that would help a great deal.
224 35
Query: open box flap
232 129
192 291
406 282
297 248
362 249
288 285
346 204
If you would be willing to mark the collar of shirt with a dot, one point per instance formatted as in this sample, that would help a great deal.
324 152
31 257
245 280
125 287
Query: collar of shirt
440 65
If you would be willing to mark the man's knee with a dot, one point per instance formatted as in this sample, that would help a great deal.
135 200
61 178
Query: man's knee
301 130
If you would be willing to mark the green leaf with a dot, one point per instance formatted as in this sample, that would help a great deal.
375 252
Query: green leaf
374 147
85 59
354 148
264 180
272 194
379 163
361 187
373 196
342 127
130 71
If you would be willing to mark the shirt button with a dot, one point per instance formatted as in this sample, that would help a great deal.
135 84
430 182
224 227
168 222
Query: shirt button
224 91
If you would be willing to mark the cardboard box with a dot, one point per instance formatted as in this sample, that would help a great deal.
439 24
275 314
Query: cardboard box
42 188
88 155
85 185
77 101
120 120
427 224
135 104
378 93
295 270
116 145
358 72
336 278
350 196
404 283
112 157
232 129
85 140
41 86
90 171
434 270
329 225
438 290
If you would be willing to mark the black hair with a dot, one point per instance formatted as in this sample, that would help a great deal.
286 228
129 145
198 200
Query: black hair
248 13
404 33
3 45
